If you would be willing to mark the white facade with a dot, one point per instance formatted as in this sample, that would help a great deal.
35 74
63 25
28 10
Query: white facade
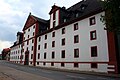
29 43
15 53
85 43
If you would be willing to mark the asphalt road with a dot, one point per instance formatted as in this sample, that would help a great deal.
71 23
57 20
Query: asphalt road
52 74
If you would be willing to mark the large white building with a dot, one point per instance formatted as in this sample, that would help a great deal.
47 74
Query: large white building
73 39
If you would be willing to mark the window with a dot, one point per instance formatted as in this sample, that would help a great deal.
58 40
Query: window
28 36
76 15
39 39
93 35
37 63
52 63
92 21
53 55
32 40
54 24
94 51
32 48
44 55
53 43
28 42
38 55
76 26
63 42
33 26
62 64
38 47
94 65
63 30
54 15
76 39
28 30
44 63
76 53
31 56
45 45
45 37
76 65
63 54
65 20
53 34
33 33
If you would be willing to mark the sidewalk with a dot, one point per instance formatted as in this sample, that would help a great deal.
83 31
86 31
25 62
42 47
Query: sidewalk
76 71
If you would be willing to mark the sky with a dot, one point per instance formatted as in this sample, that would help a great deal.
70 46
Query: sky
13 15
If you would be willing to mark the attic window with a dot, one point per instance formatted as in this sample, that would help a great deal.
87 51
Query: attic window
65 20
77 14
83 7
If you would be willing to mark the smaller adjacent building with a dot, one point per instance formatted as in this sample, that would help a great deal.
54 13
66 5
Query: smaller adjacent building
16 49
0 56
6 54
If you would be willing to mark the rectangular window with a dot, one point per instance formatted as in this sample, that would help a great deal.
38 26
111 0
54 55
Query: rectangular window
32 48
39 39
76 39
63 30
94 65
44 63
53 34
45 55
63 41
94 51
28 30
63 54
31 56
76 65
38 47
37 63
32 40
33 33
75 26
45 37
93 35
38 55
62 64
33 26
54 24
53 55
76 53
52 63
53 43
54 15
92 21
28 36
28 42
45 46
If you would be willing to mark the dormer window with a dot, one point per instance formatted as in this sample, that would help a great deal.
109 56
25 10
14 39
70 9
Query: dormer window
77 14
54 24
65 20
83 7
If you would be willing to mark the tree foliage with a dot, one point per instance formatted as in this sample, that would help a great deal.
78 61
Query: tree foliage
112 15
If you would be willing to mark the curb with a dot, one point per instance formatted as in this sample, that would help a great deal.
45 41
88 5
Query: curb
73 71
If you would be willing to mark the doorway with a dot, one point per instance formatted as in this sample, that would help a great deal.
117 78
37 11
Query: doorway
26 58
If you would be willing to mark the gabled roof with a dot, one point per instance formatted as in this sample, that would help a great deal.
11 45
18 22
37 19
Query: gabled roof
32 20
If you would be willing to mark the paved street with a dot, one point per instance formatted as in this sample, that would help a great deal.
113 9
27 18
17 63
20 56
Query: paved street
9 71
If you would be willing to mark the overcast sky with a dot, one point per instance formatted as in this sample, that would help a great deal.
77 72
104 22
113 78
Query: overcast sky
13 14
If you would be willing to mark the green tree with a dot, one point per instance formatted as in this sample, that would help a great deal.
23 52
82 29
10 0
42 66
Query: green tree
112 15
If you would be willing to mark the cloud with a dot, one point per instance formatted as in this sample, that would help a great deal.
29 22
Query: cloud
13 15
4 44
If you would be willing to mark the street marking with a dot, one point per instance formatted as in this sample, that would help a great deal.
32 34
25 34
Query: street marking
76 77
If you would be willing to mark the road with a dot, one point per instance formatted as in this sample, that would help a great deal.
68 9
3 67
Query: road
9 71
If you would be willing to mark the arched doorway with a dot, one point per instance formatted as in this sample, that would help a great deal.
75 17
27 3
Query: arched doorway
26 58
